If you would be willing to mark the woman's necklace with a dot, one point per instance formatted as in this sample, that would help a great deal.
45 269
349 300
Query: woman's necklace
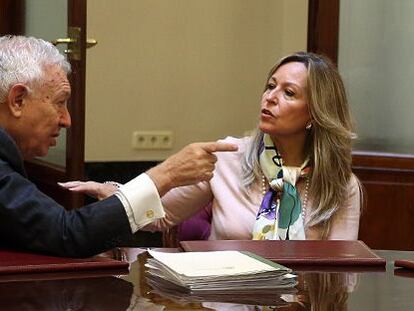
264 183
305 197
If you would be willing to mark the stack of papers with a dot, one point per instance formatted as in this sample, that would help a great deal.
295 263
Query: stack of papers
199 272
275 298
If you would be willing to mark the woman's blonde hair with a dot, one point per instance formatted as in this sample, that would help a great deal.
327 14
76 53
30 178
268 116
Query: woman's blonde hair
328 291
328 142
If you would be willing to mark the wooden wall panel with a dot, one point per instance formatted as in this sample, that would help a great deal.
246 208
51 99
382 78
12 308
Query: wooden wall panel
388 218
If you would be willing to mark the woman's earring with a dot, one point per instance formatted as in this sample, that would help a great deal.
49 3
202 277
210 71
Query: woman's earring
309 126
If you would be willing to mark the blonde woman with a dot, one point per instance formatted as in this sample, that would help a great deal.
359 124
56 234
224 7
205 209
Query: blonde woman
292 179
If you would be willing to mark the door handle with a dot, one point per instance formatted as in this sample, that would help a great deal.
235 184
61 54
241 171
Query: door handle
91 43
73 42
63 41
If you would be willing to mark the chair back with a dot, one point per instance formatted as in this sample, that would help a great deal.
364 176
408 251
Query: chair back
198 227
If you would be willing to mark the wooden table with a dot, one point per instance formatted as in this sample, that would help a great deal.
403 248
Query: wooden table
340 289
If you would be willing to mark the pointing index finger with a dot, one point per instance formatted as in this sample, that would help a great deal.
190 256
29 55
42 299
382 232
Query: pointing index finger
219 146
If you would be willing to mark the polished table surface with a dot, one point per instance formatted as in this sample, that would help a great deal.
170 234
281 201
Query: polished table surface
318 289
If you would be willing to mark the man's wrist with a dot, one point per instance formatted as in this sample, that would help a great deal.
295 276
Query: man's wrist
141 201
161 179
113 183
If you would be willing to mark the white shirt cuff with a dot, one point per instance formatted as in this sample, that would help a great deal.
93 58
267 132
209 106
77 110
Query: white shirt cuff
141 201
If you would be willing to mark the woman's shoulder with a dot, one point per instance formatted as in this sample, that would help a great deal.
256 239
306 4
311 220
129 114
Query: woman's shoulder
241 142
355 193
354 185
231 160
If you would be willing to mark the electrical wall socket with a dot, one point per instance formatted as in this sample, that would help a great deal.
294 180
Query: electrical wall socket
152 140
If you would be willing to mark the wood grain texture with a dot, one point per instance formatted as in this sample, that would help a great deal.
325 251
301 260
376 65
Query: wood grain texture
11 17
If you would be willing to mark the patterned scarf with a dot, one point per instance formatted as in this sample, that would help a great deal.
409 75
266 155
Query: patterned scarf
279 216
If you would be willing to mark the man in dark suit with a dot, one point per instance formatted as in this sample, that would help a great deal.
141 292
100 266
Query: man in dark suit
34 91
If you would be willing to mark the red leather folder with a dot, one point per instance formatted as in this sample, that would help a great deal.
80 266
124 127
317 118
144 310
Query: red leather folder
404 268
297 253
404 263
14 262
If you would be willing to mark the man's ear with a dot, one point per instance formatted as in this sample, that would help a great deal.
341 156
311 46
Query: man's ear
15 99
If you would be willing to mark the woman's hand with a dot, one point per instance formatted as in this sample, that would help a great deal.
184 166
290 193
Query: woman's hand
94 189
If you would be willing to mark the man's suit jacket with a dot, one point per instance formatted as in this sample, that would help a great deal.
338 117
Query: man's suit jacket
32 221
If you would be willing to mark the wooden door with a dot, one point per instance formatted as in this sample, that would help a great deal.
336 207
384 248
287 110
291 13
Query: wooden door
388 178
46 173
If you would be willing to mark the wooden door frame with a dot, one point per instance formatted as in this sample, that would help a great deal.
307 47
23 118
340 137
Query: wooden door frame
11 17
323 28
75 140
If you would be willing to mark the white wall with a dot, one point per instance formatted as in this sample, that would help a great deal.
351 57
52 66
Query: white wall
194 67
